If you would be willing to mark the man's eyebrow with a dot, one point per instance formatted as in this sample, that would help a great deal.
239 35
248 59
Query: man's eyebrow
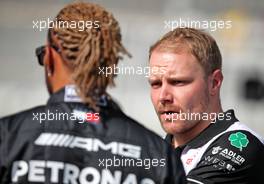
174 74
179 77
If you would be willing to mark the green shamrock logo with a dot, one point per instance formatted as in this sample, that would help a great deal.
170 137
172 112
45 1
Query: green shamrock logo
238 140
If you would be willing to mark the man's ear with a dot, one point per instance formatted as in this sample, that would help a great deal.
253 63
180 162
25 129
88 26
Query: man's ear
215 80
49 61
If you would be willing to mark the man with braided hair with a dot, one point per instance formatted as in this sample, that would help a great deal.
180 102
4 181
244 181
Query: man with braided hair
81 135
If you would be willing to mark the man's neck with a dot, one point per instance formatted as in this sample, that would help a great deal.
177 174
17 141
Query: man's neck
61 84
183 138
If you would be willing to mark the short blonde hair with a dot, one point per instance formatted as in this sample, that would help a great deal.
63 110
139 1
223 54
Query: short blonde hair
197 42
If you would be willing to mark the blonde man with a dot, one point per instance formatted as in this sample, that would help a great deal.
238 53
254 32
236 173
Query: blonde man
213 145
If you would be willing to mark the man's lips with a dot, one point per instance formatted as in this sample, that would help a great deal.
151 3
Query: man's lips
168 115
168 112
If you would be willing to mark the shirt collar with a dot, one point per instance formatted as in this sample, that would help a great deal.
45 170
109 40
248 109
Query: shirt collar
69 94
212 130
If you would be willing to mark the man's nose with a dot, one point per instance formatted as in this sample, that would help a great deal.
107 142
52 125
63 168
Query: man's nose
165 95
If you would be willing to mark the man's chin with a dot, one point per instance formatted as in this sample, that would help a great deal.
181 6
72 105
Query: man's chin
174 127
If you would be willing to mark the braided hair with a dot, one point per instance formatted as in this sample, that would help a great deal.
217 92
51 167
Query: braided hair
85 51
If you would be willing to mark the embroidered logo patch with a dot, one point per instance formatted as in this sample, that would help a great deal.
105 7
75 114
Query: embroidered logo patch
238 140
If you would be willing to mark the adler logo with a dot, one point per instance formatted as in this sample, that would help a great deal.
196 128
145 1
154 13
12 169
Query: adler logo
234 157
89 144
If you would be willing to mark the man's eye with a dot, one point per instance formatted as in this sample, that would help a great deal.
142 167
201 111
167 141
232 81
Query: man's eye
178 82
155 84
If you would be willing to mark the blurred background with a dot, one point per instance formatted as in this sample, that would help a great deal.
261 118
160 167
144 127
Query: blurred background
22 83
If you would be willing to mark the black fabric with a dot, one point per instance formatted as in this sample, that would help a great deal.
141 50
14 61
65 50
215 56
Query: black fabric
227 164
223 162
212 130
207 134
68 151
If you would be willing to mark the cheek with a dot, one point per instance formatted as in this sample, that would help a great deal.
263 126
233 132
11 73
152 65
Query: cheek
200 99
190 96
187 100
154 97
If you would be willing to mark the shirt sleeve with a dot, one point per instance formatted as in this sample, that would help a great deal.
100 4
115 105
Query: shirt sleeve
235 157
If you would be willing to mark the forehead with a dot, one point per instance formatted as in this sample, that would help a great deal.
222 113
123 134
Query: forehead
183 62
